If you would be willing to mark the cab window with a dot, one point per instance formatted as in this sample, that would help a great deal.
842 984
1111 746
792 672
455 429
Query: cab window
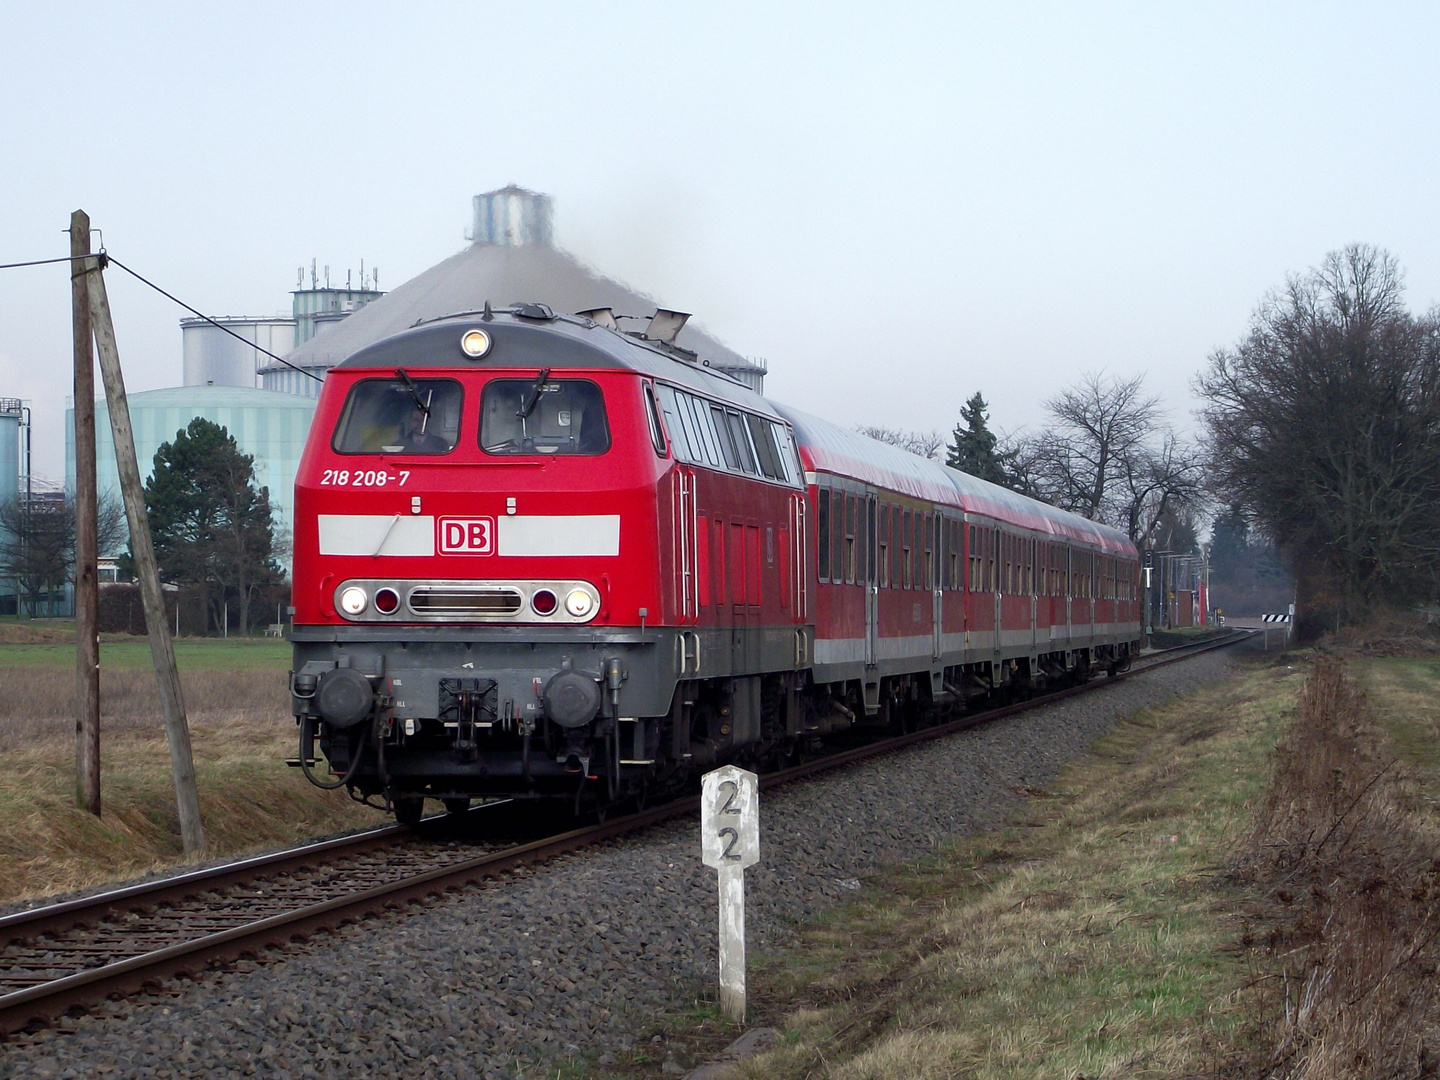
558 416
400 416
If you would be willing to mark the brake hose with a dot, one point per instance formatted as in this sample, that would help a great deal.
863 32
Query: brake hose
307 747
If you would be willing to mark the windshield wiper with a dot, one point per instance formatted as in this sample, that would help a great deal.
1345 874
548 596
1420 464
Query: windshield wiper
414 391
528 405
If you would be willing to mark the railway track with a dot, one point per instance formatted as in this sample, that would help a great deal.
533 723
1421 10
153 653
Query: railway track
74 954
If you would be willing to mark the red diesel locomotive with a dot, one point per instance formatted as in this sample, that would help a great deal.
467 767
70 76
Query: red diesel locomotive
535 556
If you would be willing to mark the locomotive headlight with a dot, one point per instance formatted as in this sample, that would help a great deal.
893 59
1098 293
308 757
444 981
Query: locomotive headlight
353 600
475 343
579 603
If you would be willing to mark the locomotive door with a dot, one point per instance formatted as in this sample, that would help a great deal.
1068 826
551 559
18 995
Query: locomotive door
937 581
687 580
798 556
872 588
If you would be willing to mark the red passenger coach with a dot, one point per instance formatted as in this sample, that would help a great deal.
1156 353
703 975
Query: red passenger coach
538 557
935 586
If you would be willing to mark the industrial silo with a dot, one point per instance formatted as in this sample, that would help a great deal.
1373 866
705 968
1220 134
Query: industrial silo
213 357
12 414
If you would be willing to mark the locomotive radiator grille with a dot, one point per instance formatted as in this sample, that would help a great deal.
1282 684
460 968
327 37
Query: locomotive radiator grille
463 600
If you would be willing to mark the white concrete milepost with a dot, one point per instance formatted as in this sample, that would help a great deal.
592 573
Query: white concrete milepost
730 841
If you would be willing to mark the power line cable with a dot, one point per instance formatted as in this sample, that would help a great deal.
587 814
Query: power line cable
106 259
39 262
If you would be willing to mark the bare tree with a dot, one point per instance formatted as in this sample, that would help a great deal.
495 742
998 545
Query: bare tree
1110 455
37 542
926 444
1324 429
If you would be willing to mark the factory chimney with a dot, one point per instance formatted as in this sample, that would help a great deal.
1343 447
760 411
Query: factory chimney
512 217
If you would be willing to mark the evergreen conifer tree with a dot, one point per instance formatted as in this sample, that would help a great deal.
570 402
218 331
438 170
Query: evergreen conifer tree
973 446
212 526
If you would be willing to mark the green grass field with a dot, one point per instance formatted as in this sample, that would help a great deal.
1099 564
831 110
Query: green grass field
192 654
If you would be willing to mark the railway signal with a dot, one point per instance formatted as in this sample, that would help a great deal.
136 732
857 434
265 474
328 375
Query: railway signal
730 841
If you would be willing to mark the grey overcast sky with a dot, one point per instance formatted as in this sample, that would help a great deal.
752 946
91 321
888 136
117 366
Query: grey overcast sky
894 204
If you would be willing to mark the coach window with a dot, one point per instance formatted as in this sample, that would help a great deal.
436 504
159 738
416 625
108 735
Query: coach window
866 540
971 577
559 416
823 528
919 550
928 566
400 416
953 552
849 554
884 558
892 571
905 551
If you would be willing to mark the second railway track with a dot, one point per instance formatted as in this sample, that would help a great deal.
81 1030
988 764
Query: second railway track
83 951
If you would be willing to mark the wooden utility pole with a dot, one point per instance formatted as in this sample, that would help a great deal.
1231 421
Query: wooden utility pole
162 650
87 586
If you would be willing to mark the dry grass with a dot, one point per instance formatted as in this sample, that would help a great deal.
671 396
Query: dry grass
241 732
36 631
1350 852
38 706
1090 939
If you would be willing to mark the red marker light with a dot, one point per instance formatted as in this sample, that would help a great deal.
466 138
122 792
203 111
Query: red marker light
544 602
387 601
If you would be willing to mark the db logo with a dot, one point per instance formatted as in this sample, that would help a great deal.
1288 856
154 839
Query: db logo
467 536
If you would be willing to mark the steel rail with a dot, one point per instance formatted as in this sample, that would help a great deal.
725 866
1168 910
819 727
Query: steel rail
43 1002
84 910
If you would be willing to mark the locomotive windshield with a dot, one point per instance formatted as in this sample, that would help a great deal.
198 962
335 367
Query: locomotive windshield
400 416
554 416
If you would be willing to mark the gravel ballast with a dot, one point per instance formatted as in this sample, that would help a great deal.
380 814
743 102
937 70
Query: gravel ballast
572 957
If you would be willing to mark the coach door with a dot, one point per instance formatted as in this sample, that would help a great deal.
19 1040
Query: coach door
938 562
1032 581
997 539
872 588
1066 587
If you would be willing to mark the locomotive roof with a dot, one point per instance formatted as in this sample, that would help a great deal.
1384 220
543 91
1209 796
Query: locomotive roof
833 449
547 339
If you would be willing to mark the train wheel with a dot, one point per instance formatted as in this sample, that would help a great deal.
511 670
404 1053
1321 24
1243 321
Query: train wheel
456 807
409 809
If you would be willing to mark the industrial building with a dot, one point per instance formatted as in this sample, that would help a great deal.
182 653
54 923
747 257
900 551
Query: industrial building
271 426
14 469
